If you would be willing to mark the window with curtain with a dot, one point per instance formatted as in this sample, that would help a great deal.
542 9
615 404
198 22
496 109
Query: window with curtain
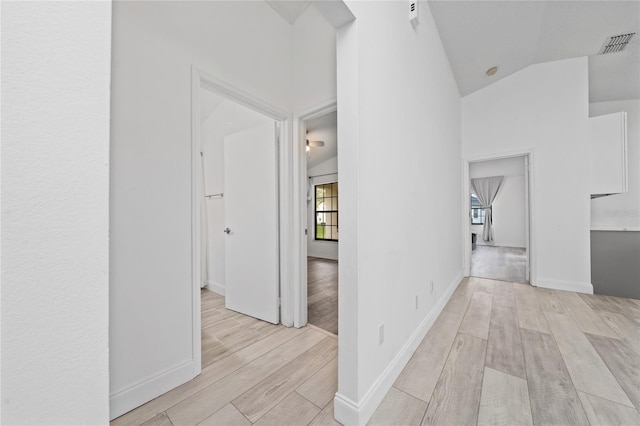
326 212
486 189
477 212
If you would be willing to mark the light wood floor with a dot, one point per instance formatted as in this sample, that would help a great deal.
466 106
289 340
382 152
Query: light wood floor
499 353
505 353
499 263
322 293
253 372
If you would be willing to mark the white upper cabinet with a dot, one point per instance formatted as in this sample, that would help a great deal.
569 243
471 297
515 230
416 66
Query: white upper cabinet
608 145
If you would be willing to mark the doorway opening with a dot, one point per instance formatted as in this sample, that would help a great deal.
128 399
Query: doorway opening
497 218
323 227
235 204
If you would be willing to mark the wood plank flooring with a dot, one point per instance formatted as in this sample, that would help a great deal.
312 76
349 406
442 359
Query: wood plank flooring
322 293
499 263
505 353
572 360
505 399
253 372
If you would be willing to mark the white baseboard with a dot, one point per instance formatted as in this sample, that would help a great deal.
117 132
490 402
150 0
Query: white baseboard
346 411
616 228
215 287
322 256
349 412
125 400
564 285
504 245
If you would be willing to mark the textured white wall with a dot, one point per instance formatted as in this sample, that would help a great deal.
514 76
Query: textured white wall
621 210
545 108
400 196
55 194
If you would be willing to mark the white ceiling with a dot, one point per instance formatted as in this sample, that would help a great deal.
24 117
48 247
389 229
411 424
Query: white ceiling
209 101
290 10
325 129
229 117
515 34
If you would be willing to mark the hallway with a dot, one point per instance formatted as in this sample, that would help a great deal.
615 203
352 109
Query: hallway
506 353
499 353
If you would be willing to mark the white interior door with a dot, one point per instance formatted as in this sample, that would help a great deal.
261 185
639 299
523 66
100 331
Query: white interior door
251 215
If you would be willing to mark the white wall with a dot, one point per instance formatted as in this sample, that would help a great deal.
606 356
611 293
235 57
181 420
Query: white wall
509 219
621 210
399 143
513 166
313 46
155 45
213 149
543 108
314 60
55 194
322 249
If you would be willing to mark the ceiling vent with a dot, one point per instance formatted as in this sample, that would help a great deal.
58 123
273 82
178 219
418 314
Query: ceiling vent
616 43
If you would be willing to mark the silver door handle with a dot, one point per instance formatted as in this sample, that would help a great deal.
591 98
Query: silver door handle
227 231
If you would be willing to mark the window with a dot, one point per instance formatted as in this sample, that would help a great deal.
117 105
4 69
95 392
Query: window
327 212
477 212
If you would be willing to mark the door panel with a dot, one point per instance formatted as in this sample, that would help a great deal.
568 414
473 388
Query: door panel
251 214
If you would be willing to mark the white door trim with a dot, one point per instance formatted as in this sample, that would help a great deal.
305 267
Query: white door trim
527 216
202 79
299 252
529 213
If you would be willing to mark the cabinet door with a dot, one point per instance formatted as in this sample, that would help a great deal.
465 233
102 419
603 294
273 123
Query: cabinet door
608 146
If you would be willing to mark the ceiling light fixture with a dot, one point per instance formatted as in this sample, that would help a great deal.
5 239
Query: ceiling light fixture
491 71
314 144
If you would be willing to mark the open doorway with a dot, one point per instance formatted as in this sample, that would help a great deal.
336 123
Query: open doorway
498 213
238 150
322 226
235 174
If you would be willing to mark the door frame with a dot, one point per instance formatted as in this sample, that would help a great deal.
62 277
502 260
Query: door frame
201 79
531 265
299 291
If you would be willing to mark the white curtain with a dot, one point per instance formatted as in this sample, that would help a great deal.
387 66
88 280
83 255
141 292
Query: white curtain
486 190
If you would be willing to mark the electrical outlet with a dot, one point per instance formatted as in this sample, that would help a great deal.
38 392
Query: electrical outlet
417 302
381 334
431 290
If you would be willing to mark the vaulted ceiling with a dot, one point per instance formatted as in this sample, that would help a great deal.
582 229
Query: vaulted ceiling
324 128
290 10
512 35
